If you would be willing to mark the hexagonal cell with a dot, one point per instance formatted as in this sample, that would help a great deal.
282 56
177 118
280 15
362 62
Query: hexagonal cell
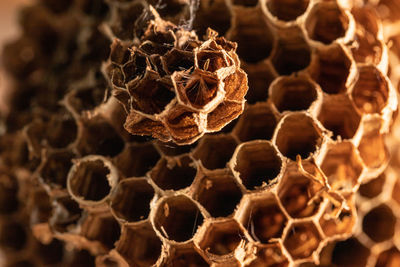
293 93
137 159
9 188
302 240
215 186
262 216
55 169
374 187
212 158
100 138
260 76
257 122
131 200
299 194
371 91
101 227
66 214
342 166
221 237
13 235
350 253
287 10
139 245
183 125
205 17
326 22
251 32
379 223
184 256
269 255
167 169
292 53
91 179
332 69
339 115
298 134
177 218
256 163
388 258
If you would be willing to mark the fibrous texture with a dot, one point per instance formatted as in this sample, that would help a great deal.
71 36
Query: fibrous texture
299 179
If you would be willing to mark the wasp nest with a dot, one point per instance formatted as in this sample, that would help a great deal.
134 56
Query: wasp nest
297 180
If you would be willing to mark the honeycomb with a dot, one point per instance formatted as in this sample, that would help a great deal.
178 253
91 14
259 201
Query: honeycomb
300 178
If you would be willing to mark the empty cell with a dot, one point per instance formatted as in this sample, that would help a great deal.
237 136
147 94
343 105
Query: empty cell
99 137
9 188
87 98
13 236
339 115
343 166
332 69
388 258
61 130
269 255
139 245
302 240
183 257
371 91
221 237
292 54
350 253
374 187
298 134
251 32
177 218
55 169
299 194
379 223
293 93
209 60
131 201
212 158
91 179
326 22
215 186
178 60
174 173
205 17
287 10
262 217
257 163
101 228
137 159
258 121
260 76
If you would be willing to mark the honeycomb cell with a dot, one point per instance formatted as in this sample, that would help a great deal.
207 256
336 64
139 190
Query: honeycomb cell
13 235
205 17
136 159
302 240
371 91
66 214
332 69
256 164
343 166
251 32
260 75
374 187
326 22
262 216
99 137
139 245
220 237
339 115
131 200
388 258
184 256
379 223
269 255
177 218
299 194
9 188
287 10
213 187
293 93
165 173
91 178
55 168
298 134
292 53
258 121
212 158
350 253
